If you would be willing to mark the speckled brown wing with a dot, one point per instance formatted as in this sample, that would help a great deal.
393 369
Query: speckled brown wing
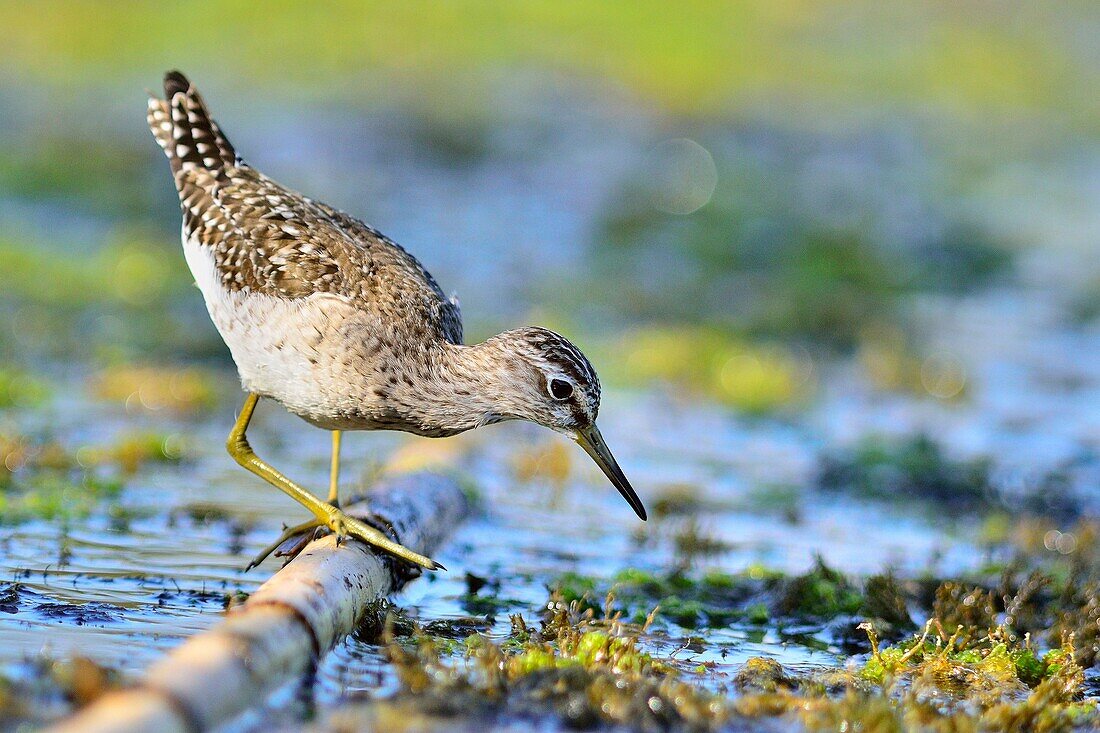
265 238
390 263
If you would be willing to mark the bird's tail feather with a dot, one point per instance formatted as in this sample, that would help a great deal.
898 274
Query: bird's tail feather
183 127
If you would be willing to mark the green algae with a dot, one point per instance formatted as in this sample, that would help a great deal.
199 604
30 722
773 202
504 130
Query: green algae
587 666
763 675
756 596
820 593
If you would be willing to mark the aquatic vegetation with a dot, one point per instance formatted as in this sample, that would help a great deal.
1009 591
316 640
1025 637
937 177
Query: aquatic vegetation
990 670
1052 583
582 665
585 665
1040 591
756 596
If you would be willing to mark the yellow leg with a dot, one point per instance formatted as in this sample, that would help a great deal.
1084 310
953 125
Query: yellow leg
340 523
334 471
301 529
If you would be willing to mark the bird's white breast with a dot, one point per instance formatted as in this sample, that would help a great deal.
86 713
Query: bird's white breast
279 344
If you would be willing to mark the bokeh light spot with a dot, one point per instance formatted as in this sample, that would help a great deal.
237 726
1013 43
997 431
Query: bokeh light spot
943 376
682 176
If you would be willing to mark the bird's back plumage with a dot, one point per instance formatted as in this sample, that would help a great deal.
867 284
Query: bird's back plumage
266 238
259 250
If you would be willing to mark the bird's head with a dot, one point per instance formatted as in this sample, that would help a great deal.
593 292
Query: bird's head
550 382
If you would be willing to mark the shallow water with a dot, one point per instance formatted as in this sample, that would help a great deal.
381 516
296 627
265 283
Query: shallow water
122 597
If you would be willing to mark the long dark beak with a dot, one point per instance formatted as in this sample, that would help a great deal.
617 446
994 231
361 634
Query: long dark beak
592 442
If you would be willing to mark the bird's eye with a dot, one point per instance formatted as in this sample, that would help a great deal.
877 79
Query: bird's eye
560 389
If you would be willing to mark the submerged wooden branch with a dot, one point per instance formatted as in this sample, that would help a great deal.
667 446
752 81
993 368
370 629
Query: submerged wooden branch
283 628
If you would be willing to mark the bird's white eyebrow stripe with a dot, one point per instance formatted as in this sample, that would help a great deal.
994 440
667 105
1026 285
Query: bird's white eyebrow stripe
580 363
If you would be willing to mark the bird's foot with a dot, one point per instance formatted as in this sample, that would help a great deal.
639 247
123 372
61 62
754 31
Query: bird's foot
343 526
305 533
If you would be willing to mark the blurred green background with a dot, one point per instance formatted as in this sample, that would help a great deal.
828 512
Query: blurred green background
725 194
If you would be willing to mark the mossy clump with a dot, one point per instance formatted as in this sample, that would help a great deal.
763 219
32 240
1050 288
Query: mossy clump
753 597
1081 617
820 593
992 675
588 667
763 675
1046 584
583 665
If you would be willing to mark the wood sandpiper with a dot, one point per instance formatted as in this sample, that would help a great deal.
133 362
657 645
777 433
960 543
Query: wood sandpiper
327 316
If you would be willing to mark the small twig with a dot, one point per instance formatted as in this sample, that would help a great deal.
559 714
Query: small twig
920 643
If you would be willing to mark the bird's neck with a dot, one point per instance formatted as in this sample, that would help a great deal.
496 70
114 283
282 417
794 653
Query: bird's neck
467 388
